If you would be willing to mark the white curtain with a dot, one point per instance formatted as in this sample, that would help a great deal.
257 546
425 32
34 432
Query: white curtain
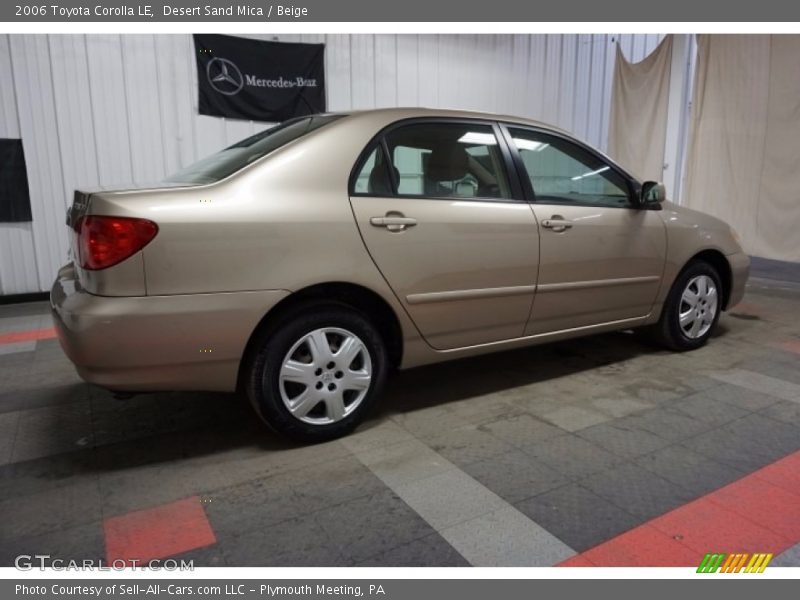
744 154
638 122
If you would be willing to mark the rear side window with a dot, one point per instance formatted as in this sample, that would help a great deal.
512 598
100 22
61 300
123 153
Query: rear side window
437 160
231 159
373 177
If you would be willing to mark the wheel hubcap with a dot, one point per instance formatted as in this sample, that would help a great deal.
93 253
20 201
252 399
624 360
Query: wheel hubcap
698 307
325 376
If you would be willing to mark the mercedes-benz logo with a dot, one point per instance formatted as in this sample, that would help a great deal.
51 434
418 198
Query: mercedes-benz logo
224 76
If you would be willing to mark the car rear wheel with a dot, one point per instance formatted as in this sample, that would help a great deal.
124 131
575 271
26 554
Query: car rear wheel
316 377
692 308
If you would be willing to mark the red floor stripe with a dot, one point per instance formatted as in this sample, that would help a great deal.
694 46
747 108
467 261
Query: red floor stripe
790 346
27 336
158 532
758 513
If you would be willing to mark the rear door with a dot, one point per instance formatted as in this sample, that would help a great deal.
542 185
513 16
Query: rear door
451 236
601 256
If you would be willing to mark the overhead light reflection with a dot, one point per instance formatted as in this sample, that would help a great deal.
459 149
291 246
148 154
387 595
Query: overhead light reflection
531 145
475 137
577 177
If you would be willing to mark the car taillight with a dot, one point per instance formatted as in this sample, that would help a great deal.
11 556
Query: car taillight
106 241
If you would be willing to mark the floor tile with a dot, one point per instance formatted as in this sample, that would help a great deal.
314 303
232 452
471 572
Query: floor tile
506 537
78 543
43 512
625 440
637 490
664 422
467 445
9 422
700 407
371 525
573 418
449 498
578 517
573 456
515 475
757 382
695 473
520 430
620 406
429 551
788 558
301 542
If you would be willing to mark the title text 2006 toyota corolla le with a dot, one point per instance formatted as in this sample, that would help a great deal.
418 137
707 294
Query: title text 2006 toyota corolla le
302 263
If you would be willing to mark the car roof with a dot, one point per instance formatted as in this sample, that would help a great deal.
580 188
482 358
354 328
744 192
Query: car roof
412 112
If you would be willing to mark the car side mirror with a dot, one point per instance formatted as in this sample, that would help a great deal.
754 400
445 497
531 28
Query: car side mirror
653 192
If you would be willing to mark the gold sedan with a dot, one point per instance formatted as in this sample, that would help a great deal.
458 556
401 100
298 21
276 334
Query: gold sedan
301 264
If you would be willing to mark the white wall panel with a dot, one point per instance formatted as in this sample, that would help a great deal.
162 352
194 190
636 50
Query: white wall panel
175 99
32 74
338 70
122 110
428 70
18 269
385 71
76 133
407 63
145 122
109 109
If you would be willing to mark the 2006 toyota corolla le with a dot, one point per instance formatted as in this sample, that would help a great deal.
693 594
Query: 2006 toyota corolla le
302 263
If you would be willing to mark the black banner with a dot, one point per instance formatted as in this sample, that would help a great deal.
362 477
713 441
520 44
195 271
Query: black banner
15 201
242 78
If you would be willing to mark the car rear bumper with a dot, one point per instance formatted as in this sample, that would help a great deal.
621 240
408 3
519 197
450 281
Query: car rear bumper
150 343
740 271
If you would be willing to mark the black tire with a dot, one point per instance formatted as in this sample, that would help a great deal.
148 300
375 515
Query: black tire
262 383
668 331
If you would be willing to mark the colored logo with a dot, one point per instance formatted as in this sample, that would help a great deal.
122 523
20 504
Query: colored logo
734 563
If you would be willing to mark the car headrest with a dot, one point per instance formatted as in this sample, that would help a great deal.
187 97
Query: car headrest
378 183
448 163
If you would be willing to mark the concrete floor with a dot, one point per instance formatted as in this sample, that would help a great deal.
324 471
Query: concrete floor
530 457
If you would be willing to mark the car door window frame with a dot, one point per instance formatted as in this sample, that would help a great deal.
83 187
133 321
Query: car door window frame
634 186
507 161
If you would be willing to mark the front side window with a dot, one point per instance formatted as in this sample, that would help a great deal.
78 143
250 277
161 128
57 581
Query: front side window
231 159
447 160
562 172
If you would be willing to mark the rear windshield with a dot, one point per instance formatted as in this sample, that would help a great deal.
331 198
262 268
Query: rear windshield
231 159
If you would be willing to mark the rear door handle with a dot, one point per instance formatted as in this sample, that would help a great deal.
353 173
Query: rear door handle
393 222
557 223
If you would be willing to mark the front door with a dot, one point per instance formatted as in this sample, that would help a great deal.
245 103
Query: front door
434 206
601 257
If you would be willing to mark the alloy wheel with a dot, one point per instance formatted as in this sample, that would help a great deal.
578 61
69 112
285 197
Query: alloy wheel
698 306
325 376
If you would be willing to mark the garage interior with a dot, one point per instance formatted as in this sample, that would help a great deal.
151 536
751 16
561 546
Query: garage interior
602 451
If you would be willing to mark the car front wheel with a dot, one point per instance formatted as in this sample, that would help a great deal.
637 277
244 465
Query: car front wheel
316 377
692 308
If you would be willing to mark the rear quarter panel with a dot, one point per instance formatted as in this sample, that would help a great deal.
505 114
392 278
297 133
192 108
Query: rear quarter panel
282 223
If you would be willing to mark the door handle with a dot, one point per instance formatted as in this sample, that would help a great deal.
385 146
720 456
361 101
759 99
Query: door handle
557 223
393 222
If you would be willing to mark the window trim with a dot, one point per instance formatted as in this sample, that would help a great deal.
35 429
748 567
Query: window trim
515 185
634 186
